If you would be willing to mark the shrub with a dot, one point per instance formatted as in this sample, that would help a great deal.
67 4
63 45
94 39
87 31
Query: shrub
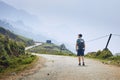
2 68
106 57
91 54
105 54
28 60
98 53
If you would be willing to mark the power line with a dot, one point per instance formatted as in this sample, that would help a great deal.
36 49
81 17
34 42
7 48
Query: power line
116 35
97 38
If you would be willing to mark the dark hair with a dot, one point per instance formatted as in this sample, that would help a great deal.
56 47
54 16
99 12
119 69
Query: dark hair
80 35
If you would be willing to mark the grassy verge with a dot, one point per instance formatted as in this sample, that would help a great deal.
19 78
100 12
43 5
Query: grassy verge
107 61
18 64
114 60
105 57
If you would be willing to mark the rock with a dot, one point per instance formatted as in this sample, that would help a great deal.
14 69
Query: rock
13 74
48 74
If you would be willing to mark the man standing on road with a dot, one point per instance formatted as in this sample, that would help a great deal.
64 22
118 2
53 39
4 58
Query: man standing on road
80 48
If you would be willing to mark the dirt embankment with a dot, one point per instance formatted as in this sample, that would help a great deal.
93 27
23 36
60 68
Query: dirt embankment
34 68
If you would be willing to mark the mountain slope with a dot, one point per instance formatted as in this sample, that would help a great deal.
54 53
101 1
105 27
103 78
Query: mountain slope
15 37
20 28
12 56
6 25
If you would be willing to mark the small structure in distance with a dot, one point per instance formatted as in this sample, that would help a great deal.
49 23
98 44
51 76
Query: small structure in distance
48 41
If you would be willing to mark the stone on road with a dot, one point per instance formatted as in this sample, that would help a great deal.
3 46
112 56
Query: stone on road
66 68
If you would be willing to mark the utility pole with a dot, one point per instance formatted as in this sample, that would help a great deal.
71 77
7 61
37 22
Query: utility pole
108 41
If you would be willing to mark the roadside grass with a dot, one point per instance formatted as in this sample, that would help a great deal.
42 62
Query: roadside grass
18 64
107 61
105 57
12 54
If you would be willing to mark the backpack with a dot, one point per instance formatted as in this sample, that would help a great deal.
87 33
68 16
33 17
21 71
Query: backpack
80 43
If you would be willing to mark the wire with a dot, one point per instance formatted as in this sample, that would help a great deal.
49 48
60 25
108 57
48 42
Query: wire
97 38
116 35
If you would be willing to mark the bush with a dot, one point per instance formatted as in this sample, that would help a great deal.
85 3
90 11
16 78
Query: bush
14 62
12 54
114 58
98 53
28 60
106 57
104 54
91 54
2 68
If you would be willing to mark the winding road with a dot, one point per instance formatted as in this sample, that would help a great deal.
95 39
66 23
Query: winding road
36 44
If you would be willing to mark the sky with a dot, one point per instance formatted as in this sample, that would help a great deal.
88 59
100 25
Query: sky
63 20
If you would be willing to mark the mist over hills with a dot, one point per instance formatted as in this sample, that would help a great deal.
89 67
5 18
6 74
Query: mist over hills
16 28
19 21
10 13
17 38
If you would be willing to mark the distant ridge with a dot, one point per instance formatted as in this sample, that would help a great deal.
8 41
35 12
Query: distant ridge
15 37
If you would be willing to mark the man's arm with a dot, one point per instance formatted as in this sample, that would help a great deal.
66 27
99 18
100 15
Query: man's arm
84 45
76 46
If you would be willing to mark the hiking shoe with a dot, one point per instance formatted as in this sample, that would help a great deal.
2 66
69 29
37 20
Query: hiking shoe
83 64
79 64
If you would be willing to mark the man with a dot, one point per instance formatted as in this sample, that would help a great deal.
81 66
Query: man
80 48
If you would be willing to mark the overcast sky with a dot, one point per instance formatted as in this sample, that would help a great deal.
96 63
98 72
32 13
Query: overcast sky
64 19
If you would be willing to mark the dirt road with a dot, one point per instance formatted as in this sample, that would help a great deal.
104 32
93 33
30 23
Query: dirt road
66 68
36 44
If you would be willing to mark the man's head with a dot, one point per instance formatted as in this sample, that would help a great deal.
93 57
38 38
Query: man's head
79 35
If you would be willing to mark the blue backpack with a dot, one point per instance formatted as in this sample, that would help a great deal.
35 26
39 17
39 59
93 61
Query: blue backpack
80 43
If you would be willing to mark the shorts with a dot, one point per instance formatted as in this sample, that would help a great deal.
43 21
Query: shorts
80 52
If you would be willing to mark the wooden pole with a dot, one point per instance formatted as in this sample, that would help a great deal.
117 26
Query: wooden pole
108 41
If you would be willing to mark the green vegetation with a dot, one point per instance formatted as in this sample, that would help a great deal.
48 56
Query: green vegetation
105 56
18 38
12 55
26 41
15 64
53 49
10 47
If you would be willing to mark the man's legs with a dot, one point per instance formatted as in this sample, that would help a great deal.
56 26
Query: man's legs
79 59
83 60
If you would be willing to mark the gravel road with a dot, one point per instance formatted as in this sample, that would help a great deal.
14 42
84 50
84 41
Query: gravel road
66 68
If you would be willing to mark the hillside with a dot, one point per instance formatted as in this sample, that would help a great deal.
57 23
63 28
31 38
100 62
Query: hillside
15 37
19 27
10 47
51 48
12 55
6 25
